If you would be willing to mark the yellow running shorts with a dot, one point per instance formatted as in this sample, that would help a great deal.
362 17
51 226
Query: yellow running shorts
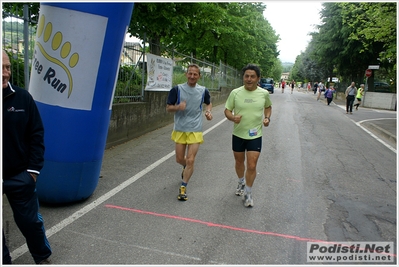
187 138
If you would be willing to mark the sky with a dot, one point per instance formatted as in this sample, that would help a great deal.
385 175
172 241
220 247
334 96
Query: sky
293 21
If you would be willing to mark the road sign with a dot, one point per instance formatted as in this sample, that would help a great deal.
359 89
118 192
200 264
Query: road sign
374 67
369 72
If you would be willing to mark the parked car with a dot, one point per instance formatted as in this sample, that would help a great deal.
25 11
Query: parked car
381 87
267 83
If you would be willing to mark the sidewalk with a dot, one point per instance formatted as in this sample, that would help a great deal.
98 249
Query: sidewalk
385 129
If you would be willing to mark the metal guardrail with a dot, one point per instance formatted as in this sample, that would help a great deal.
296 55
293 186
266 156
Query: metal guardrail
132 73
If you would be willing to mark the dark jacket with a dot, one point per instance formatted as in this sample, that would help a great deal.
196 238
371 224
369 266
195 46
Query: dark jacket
23 133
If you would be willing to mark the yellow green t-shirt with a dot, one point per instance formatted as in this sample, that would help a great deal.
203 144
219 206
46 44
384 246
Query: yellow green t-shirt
250 105
359 93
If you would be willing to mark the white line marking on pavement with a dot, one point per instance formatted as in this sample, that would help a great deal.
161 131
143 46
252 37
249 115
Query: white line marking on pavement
214 126
373 135
61 225
370 133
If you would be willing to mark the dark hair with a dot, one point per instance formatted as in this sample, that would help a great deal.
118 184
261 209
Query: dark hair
251 67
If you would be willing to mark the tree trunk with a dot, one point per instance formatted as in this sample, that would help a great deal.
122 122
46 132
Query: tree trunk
155 45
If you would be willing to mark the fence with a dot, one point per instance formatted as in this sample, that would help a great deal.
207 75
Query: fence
19 40
132 75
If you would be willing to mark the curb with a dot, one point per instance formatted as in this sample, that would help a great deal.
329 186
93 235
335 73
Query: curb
376 129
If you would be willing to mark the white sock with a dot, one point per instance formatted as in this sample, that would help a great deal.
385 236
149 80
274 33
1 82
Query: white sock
241 180
248 189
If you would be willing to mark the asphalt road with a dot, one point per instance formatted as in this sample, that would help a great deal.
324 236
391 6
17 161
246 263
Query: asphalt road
322 176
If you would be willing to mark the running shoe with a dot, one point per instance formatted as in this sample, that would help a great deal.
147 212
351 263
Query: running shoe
182 193
240 189
248 201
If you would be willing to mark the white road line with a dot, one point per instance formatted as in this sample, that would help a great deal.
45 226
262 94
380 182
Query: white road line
370 133
373 135
61 225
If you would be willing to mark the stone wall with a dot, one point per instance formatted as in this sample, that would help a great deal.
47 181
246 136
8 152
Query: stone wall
375 100
380 100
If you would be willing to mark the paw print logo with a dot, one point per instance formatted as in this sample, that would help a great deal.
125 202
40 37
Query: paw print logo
68 60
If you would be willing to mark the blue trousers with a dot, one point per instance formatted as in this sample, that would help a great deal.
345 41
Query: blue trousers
21 194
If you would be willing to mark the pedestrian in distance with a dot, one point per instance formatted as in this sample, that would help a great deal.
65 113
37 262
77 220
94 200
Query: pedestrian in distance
250 108
359 96
23 158
292 86
282 87
322 88
309 86
350 94
186 101
329 94
315 86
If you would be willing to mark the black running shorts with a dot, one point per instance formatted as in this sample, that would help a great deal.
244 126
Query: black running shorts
242 145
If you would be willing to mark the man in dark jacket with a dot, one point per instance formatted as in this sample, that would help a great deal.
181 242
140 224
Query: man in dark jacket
23 157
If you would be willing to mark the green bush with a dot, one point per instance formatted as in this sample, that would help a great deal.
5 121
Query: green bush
178 69
17 70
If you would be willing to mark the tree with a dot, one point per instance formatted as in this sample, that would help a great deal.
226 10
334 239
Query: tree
337 50
277 70
18 9
151 21
235 33
312 68
374 26
296 69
